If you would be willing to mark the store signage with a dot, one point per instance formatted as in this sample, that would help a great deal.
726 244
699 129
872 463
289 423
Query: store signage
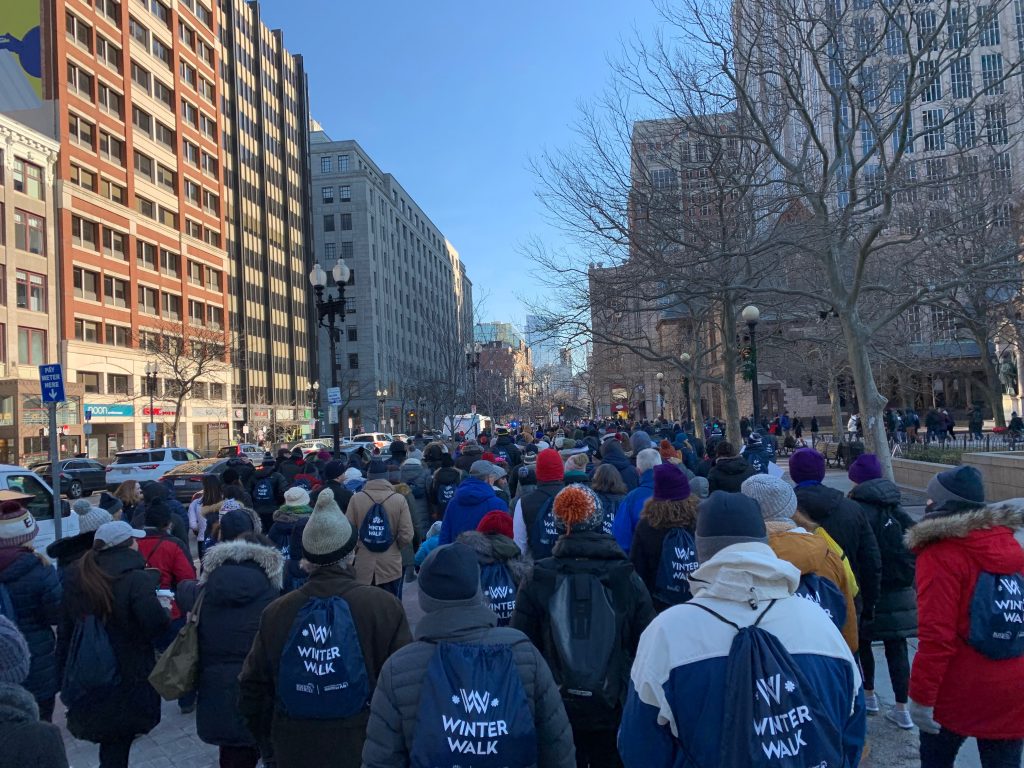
107 410
159 410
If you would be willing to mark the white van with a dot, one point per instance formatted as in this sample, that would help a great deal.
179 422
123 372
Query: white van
39 503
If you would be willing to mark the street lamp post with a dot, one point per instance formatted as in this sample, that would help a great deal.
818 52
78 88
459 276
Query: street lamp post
151 371
329 309
661 394
382 396
751 315
314 404
473 364
685 358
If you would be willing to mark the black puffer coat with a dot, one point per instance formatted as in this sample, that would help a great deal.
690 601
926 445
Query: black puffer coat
241 579
138 619
69 549
844 522
36 593
728 474
896 609
27 743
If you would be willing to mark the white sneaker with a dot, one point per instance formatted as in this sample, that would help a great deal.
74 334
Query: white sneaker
871 703
900 717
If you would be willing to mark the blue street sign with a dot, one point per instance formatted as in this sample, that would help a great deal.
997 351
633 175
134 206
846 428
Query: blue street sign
51 379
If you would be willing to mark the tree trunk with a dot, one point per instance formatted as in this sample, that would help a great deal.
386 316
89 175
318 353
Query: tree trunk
992 387
732 410
837 407
698 416
870 400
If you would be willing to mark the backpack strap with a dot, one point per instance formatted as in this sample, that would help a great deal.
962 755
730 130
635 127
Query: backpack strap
158 545
722 618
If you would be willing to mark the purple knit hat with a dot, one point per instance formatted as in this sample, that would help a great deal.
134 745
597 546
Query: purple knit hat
670 483
865 467
806 464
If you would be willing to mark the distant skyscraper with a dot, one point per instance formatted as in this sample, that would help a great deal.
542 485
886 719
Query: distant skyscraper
545 350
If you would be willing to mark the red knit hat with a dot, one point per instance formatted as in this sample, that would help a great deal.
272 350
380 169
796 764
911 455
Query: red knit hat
497 521
549 466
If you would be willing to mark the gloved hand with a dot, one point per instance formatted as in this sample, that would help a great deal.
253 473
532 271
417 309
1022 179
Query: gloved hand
923 718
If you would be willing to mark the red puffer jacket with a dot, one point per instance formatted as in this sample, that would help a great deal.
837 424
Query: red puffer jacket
166 553
972 694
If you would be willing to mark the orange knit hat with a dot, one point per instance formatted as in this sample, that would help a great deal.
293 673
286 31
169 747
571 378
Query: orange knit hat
577 508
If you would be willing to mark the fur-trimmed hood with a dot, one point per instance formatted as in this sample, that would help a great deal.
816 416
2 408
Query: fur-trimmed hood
1009 513
267 558
494 547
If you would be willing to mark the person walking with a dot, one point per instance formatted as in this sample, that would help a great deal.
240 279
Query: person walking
473 499
628 514
968 673
333 474
662 548
383 524
67 550
267 487
443 483
610 490
612 453
205 508
550 472
405 729
27 740
110 583
318 715
688 684
30 595
588 575
896 610
729 470
286 533
503 569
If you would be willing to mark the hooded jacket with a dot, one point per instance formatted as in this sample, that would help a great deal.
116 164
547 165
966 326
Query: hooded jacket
382 628
728 474
527 509
473 499
381 567
678 691
240 579
812 554
645 553
395 705
506 449
277 482
495 548
628 514
612 453
896 609
845 523
442 476
163 552
28 743
35 593
414 474
972 694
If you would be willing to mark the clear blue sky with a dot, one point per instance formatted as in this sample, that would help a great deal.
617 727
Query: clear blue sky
454 97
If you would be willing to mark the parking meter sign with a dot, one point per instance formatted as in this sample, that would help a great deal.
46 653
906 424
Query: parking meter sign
51 381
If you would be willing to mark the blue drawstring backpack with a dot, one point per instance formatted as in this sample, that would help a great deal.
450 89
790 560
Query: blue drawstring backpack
322 673
473 711
375 530
826 594
545 534
91 667
445 493
678 561
499 590
997 616
774 718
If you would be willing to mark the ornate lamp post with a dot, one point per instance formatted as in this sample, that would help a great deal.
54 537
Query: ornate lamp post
151 371
751 315
661 394
685 359
329 310
382 397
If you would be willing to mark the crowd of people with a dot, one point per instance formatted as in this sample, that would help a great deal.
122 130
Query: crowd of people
591 596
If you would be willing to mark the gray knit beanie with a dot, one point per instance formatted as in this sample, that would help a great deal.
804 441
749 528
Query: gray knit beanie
328 536
776 497
89 517
14 654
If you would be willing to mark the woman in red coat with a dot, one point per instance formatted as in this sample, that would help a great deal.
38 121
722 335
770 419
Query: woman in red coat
956 691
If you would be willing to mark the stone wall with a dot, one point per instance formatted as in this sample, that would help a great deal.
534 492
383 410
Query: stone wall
915 474
1003 473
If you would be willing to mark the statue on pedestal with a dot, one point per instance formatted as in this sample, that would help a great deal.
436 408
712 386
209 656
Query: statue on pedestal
1008 374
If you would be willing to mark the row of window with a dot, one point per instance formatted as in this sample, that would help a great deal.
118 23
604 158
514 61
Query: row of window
31 345
327 162
345 221
30 293
344 193
961 79
205 315
116 291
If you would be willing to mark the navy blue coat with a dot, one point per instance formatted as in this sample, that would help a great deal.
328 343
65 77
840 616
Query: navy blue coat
613 454
241 580
36 594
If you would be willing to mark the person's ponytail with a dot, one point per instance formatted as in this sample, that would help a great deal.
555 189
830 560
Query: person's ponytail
96 584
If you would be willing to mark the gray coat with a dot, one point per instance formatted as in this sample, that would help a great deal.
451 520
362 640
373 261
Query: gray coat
389 734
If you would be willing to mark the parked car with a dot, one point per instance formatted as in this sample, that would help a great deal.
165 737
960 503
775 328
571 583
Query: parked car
379 439
185 480
146 464
319 444
25 485
401 436
78 477
251 451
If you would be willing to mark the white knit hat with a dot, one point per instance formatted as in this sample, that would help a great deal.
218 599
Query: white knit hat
773 494
89 517
296 496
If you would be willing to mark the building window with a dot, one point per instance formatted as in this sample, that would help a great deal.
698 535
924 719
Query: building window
115 292
330 251
148 300
213 279
83 178
29 232
957 24
932 130
112 149
327 194
353 334
346 222
164 94
141 76
353 361
142 120
663 178
90 380
108 53
118 335
145 254
170 263
988 20
167 178
964 129
190 152
28 178
895 35
329 222
84 233
80 132
927 38
196 312
144 166
961 78
943 325
346 251
118 384
193 229
995 124
192 192
146 207
31 291
325 165
79 81
342 163
932 84
31 346
215 317
346 193
170 306
110 101
87 330
992 73
87 284
195 272
216 391
210 165
114 191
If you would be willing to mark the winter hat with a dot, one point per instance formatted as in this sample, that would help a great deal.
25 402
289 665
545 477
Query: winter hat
865 467
435 529
89 517
352 473
577 462
323 455
296 496
724 519
377 470
152 491
450 578
639 440
559 442
496 522
670 483
15 658
117 532
549 466
484 469
754 440
699 486
543 445
328 536
268 460
667 451
333 469
577 508
473 448
806 464
230 505
158 515
955 490
773 494
397 447
234 523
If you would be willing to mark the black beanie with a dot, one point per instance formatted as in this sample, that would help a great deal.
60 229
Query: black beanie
158 514
955 490
449 577
724 519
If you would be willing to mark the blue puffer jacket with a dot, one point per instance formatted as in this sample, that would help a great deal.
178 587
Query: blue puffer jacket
36 594
628 516
473 499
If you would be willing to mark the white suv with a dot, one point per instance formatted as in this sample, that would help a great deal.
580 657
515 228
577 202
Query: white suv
40 504
379 439
146 464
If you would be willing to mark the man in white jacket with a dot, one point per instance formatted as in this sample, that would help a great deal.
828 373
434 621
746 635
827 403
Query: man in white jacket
679 700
